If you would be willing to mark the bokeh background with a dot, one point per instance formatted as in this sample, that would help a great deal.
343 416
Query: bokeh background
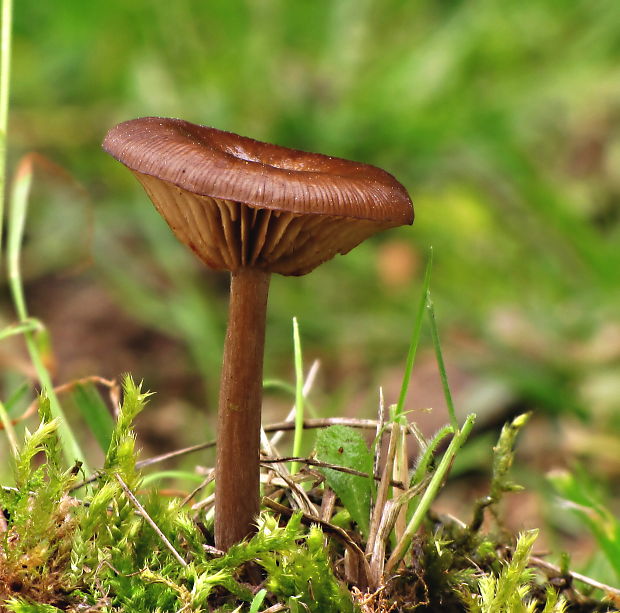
501 118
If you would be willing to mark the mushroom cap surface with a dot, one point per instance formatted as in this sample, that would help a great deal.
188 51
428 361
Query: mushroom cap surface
240 202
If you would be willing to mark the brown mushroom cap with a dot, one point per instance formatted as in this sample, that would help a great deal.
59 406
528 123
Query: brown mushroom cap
240 202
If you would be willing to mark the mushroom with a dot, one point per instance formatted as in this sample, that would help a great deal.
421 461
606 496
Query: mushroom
252 209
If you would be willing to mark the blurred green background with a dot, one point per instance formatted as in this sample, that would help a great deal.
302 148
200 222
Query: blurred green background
501 118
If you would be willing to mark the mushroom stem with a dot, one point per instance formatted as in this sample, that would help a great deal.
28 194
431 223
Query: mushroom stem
239 414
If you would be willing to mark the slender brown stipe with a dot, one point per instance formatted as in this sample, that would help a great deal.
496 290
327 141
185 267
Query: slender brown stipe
241 384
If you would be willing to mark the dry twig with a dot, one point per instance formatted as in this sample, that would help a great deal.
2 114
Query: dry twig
149 520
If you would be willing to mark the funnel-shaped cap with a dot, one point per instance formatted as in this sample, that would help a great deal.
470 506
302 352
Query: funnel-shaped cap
238 202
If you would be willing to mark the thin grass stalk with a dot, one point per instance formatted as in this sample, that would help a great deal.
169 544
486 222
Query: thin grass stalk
16 224
299 397
440 363
415 336
379 434
328 503
19 199
418 435
430 494
5 80
309 382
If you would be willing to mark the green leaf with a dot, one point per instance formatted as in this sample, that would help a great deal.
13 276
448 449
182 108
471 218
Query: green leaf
346 447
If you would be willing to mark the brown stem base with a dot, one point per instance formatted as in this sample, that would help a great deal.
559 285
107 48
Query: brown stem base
239 413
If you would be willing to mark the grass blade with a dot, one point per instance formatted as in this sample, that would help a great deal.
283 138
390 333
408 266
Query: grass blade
5 79
299 397
16 224
180 475
415 336
440 363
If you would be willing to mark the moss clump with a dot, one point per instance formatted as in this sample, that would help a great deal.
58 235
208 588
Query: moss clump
61 553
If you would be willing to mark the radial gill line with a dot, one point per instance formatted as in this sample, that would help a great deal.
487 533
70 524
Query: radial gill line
195 213
292 232
231 234
277 228
245 230
217 223
260 234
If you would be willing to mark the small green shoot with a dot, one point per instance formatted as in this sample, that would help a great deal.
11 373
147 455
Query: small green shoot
427 455
508 592
503 457
299 397
121 455
423 465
